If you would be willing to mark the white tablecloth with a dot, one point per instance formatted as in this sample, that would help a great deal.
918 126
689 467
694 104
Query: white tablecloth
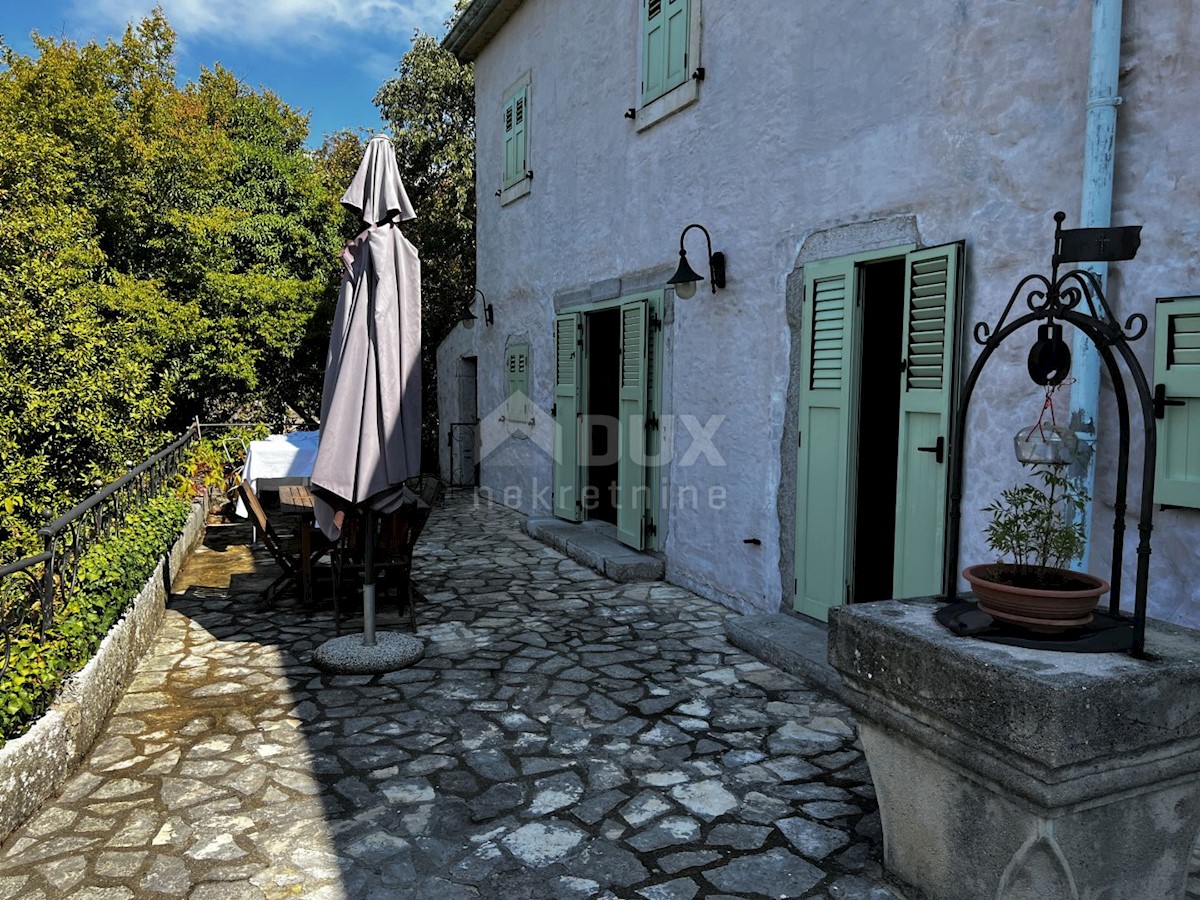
280 459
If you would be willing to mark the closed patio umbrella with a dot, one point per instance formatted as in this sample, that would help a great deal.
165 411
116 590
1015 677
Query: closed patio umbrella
371 399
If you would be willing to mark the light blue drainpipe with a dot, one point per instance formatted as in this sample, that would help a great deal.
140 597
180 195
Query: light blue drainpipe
1096 212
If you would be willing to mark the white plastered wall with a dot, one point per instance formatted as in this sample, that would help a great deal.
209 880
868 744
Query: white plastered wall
966 116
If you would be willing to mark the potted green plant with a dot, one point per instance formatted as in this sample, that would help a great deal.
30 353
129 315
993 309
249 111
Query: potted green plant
1035 531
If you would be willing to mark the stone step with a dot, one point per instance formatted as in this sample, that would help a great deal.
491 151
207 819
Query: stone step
797 645
595 545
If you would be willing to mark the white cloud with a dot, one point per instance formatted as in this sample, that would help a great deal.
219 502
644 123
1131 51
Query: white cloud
282 25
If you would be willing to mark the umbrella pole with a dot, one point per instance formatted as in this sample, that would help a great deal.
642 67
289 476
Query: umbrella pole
369 582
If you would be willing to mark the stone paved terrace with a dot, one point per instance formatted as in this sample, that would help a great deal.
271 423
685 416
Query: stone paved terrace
564 737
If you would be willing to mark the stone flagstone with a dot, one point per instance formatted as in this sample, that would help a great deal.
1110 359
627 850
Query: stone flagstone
563 736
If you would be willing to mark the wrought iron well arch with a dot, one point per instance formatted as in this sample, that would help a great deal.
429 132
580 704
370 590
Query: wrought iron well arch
1060 298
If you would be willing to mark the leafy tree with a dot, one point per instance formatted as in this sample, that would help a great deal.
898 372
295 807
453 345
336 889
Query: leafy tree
430 106
165 252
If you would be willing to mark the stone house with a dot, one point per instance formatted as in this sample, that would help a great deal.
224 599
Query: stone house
878 178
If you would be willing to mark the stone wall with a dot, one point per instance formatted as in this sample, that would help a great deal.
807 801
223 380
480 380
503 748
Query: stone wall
34 766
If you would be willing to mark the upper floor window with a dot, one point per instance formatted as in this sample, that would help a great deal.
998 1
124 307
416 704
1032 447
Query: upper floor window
665 46
670 59
516 174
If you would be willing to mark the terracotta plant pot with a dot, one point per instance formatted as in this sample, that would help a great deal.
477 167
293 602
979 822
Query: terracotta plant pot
1037 609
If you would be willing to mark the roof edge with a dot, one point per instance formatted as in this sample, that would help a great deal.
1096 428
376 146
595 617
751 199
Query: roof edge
475 28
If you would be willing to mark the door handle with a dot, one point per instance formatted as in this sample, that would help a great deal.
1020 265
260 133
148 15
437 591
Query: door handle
938 449
1162 401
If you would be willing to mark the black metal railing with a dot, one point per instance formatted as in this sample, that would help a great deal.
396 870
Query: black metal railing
31 589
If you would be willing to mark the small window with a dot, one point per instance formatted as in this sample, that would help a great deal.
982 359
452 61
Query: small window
1177 401
515 169
670 59
516 363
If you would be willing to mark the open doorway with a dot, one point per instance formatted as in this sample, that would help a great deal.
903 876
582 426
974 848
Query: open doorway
600 455
882 299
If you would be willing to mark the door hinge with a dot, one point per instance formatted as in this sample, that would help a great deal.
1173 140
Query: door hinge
799 438
648 526
847 593
652 422
655 321
554 411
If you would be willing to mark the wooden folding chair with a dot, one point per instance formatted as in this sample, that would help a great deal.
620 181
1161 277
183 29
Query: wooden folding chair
284 551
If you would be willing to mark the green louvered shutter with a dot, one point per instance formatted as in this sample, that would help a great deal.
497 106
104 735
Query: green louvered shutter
632 491
516 115
567 347
517 366
665 35
931 299
824 498
1177 370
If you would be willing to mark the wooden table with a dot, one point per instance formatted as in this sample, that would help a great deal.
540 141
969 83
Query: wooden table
297 499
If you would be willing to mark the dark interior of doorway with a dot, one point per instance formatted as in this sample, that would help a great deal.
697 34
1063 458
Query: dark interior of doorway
603 406
882 286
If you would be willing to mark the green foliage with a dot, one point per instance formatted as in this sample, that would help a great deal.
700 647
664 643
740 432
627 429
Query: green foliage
1037 526
165 252
213 460
110 575
430 105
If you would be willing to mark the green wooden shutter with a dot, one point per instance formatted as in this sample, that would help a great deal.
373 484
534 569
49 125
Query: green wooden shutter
665 34
509 145
632 490
517 366
567 346
516 121
824 496
516 129
931 298
1177 369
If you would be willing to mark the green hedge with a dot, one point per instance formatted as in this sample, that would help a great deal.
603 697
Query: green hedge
111 573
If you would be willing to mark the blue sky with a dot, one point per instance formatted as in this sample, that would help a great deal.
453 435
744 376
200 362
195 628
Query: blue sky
324 57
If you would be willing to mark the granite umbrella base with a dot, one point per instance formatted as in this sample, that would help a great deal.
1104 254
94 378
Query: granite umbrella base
351 655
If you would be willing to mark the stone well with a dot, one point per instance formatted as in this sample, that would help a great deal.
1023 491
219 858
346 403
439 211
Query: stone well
1017 774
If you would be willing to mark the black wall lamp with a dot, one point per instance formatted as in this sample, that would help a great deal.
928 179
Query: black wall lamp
469 318
684 280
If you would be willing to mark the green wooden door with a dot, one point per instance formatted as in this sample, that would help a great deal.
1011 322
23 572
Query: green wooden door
1177 371
824 495
632 490
568 345
926 385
